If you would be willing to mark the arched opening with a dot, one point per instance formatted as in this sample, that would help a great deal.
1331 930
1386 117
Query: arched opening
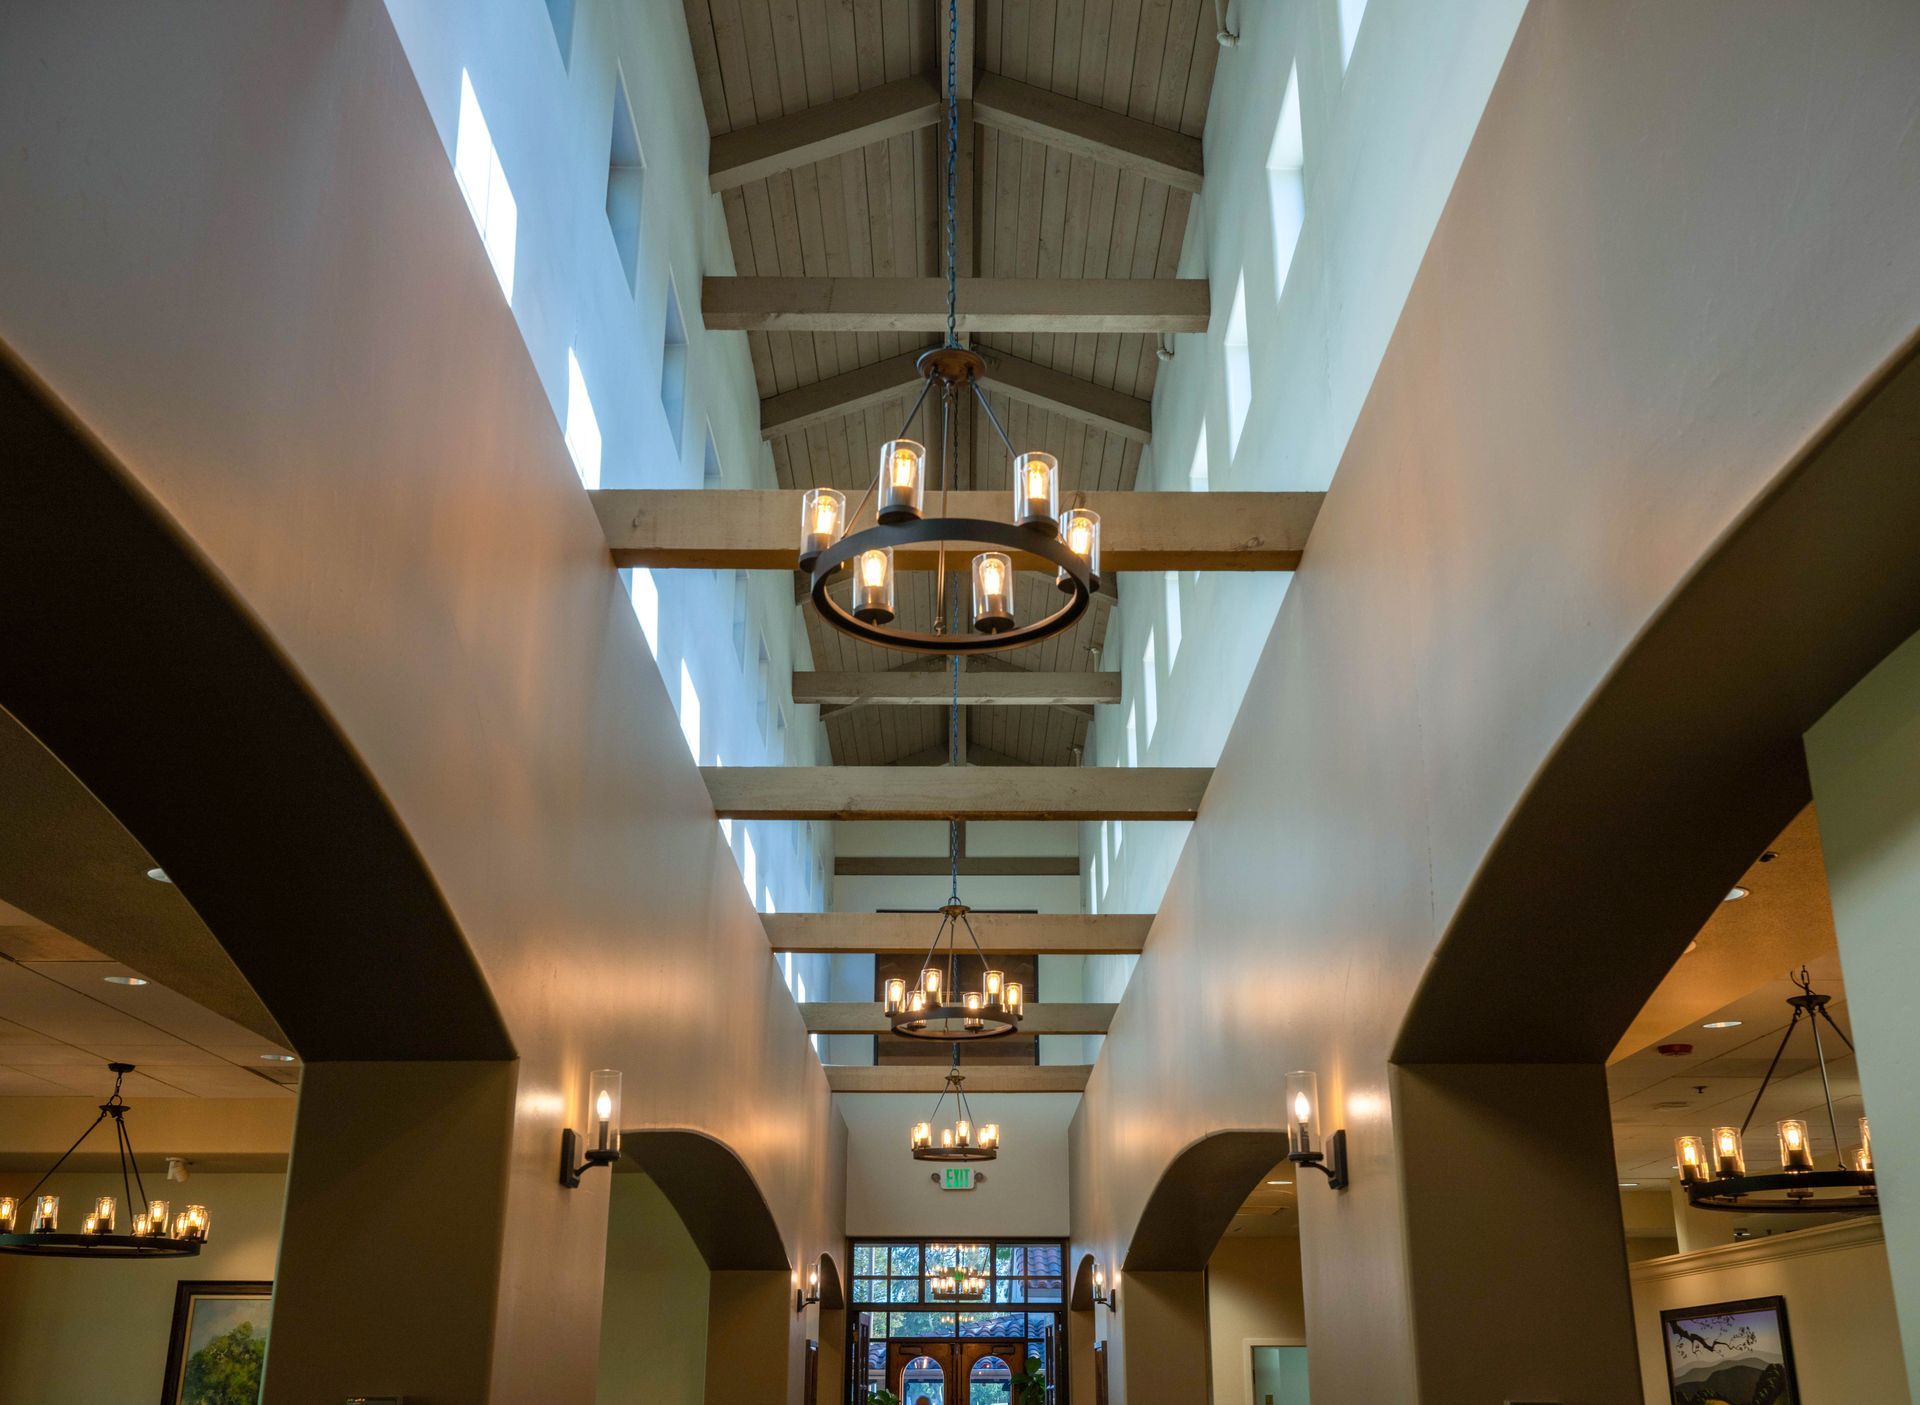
923 1381
989 1381
1211 1274
1567 965
699 1290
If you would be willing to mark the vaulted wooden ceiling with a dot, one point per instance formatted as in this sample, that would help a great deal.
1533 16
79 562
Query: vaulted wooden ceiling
1079 160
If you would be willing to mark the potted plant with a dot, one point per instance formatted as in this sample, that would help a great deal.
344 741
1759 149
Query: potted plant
1030 1383
882 1397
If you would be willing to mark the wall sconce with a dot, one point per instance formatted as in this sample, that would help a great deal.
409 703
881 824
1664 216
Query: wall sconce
1103 1296
803 1301
603 1146
1304 1147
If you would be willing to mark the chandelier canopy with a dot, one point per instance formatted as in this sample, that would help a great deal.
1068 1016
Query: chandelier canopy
964 1140
1714 1170
155 1233
1036 535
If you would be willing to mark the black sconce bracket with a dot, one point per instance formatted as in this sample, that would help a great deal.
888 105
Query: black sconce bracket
575 1163
1332 1163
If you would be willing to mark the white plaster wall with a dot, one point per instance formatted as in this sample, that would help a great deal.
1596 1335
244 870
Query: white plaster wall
551 119
1384 136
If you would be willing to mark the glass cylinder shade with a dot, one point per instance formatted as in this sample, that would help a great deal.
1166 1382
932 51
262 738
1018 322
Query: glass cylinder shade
1729 1156
9 1212
993 592
1080 530
191 1223
896 994
873 586
963 1131
1015 998
917 1001
1795 1154
1303 1113
1858 1159
46 1214
157 1216
990 1134
994 986
1690 1155
823 516
142 1226
946 1138
603 1109
105 1212
1036 492
903 480
930 983
975 1001
922 1135
1866 1144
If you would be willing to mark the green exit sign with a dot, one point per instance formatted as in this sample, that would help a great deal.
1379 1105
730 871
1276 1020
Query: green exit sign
956 1178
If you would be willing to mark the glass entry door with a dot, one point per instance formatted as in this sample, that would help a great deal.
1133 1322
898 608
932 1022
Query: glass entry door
922 1373
987 1369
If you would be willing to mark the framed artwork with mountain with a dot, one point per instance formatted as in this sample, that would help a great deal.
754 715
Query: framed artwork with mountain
1735 1353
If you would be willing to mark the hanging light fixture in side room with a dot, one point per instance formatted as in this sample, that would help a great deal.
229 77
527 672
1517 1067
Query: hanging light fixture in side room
153 1233
965 1139
1713 1170
1036 534
965 1280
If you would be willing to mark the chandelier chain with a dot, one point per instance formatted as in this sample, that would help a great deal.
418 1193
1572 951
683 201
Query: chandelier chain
953 160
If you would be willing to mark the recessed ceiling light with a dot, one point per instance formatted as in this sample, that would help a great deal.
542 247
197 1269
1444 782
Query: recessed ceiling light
1723 1024
1734 895
158 875
1629 1185
124 980
1279 1182
277 1058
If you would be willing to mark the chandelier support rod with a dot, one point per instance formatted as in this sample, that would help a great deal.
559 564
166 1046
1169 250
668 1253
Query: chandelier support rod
953 161
1825 1014
994 420
28 1197
126 1139
1761 1092
946 470
1826 1090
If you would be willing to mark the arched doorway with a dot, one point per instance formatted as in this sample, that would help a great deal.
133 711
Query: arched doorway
926 1379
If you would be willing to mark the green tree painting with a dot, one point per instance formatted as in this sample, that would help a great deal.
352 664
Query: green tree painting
226 1371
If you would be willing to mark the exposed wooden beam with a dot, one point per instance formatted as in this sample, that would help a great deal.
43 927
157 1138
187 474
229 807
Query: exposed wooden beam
1012 689
956 792
1077 305
801 138
844 394
908 933
1114 411
758 529
1010 866
930 1078
865 1017
1083 129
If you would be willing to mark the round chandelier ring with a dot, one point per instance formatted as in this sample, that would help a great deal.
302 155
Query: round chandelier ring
1753 1194
995 1022
1078 582
955 1153
99 1246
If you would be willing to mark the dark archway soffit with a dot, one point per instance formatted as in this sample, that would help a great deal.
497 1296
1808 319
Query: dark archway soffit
1689 758
716 1197
1198 1196
129 658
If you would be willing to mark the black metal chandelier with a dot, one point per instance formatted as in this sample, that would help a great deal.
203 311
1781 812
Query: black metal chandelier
1714 1171
958 1283
936 1008
1038 534
156 1234
958 1142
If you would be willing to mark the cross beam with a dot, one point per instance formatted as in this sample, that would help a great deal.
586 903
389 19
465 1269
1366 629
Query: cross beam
910 933
1075 305
956 792
759 529
1010 689
931 1078
865 1017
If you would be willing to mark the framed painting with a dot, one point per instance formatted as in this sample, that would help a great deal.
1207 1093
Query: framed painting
217 1350
1735 1353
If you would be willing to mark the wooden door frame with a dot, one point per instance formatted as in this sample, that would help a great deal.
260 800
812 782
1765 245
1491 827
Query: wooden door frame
1247 1344
918 1347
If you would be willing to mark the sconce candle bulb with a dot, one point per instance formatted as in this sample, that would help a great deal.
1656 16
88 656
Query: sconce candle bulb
1303 1131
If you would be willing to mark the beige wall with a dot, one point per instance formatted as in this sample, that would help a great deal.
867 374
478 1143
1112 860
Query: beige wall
1865 760
74 1332
1584 392
469 638
1840 1318
1025 1190
1253 1293
653 1313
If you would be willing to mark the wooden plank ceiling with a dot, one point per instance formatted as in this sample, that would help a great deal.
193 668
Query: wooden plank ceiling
1038 210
